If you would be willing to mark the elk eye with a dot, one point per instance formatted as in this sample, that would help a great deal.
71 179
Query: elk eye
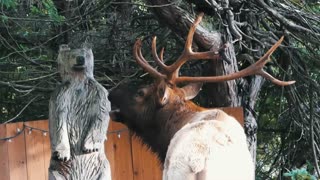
140 93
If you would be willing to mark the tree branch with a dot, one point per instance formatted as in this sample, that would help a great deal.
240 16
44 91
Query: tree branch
179 21
289 24
21 110
26 87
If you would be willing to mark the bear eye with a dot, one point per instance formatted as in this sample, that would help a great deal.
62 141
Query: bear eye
140 93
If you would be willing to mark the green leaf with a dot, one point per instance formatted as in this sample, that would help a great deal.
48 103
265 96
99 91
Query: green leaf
35 10
299 174
4 18
8 3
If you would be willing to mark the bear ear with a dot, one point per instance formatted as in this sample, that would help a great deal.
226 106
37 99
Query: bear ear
87 45
64 47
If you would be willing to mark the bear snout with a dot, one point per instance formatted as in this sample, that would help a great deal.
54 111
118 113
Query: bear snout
80 64
80 60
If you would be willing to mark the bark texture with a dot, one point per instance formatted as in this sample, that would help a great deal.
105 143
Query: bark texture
78 120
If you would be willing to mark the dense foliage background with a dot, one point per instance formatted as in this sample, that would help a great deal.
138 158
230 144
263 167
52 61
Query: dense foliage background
288 118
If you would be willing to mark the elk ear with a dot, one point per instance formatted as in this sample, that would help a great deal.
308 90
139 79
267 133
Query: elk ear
162 93
191 90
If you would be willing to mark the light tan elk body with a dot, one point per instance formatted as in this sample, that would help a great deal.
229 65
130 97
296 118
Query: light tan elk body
192 143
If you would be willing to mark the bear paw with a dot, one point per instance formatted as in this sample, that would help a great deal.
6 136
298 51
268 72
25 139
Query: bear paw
62 155
89 147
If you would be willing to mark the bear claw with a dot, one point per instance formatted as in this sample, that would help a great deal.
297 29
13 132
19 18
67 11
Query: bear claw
91 147
62 156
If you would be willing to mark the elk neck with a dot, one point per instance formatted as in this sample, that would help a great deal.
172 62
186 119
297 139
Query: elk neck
168 120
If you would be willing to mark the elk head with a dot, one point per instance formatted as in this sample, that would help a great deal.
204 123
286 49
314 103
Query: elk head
155 112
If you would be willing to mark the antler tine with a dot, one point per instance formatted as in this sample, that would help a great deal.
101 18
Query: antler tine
142 62
193 28
158 60
264 59
161 54
274 80
255 68
187 47
188 54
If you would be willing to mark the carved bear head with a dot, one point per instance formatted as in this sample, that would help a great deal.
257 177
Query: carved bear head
75 64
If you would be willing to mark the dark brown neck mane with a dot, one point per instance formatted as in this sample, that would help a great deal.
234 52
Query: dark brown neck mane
167 121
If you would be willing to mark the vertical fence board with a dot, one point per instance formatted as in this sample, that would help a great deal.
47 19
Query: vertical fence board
34 152
44 124
17 153
145 163
109 151
4 161
118 151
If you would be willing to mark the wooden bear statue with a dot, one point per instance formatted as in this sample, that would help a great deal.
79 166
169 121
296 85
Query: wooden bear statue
78 120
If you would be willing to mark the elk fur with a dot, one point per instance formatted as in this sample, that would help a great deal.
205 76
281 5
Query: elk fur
209 150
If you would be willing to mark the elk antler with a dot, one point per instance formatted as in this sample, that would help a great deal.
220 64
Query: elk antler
143 63
255 68
171 73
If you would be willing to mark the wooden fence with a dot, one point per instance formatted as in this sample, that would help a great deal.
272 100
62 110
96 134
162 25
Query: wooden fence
26 156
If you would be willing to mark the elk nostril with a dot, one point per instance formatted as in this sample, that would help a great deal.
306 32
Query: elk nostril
80 60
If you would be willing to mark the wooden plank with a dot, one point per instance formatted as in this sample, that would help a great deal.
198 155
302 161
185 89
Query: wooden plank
34 151
43 124
16 153
145 163
4 160
236 112
118 152
110 152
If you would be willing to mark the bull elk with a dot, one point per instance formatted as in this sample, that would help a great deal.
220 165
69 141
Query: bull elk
192 142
